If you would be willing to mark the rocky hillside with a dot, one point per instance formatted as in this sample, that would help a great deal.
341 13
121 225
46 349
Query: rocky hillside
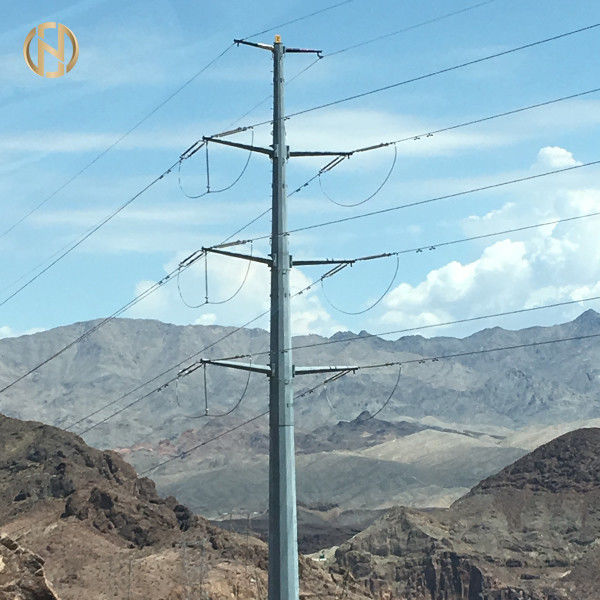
531 532
75 519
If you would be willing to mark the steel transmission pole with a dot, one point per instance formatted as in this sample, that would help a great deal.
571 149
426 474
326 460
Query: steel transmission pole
283 536
283 543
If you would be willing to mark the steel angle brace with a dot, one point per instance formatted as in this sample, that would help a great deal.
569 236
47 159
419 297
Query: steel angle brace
326 369
231 364
269 151
258 149
270 47
258 259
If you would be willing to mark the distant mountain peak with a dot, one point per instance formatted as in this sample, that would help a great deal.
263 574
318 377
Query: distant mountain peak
365 415
589 317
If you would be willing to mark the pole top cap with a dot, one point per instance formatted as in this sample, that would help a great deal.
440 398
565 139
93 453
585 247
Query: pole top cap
278 39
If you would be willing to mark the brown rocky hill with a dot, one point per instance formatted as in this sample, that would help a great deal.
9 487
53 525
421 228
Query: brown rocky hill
531 532
79 523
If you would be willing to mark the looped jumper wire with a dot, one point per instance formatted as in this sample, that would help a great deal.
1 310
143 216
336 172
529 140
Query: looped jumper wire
364 200
372 306
206 300
208 188
207 413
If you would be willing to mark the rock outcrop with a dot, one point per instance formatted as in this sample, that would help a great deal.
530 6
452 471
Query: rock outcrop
531 532
22 574
41 463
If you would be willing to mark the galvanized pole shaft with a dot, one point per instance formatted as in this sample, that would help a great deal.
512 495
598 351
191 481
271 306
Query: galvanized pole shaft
283 542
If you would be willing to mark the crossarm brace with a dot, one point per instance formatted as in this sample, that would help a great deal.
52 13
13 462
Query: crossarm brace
324 369
230 364
259 259
266 369
238 145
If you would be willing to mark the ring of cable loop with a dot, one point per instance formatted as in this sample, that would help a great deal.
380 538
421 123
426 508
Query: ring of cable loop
206 300
364 200
371 416
370 307
207 413
208 188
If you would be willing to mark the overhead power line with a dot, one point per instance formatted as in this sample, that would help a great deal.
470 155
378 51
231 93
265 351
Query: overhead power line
115 143
418 136
154 110
364 43
166 371
409 28
174 273
380 334
517 311
432 132
70 247
235 428
88 234
427 75
426 359
435 245
298 19
171 275
445 70
90 331
137 388
360 258
188 451
439 198
328 342
430 246
360 337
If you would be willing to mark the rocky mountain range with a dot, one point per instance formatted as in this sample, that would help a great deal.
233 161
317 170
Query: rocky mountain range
449 423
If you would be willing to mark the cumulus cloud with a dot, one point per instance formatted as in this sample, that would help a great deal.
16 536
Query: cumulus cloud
456 284
555 157
206 319
524 269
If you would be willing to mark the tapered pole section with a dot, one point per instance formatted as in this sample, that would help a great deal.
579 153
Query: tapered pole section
283 539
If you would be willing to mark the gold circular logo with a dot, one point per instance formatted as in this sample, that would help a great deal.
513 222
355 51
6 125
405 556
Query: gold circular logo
44 47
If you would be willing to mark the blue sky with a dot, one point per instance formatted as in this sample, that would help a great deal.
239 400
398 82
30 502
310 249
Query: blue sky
134 54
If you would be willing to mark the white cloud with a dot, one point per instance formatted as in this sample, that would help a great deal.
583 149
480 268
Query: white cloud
555 157
6 331
330 131
525 269
206 319
457 284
